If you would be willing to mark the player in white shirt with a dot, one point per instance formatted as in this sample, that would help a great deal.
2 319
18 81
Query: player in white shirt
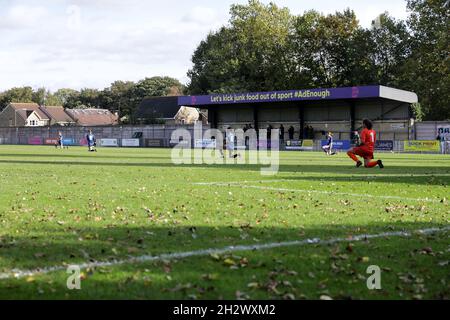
230 142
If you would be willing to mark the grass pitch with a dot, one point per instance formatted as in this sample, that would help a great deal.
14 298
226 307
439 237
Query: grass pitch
61 207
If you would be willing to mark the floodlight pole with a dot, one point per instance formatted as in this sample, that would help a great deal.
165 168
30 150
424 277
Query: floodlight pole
118 120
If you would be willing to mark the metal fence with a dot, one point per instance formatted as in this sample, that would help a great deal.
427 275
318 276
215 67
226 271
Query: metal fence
148 134
428 130
160 135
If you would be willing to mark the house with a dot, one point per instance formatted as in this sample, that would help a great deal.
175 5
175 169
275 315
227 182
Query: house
23 115
165 110
58 116
93 117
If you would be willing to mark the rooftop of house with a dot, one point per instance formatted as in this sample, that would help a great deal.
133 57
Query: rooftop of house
57 113
93 117
25 109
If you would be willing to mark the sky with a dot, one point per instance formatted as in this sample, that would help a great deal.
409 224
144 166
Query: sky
91 43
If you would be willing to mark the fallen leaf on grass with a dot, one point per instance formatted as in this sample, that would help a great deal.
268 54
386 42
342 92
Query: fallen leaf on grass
253 285
167 268
215 256
427 250
210 277
241 295
229 262
364 259
289 296
132 250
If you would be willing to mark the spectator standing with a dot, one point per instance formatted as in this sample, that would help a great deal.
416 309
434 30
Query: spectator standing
291 132
282 134
311 133
269 132
442 140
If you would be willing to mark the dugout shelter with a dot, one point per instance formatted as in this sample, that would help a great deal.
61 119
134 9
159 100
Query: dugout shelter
340 110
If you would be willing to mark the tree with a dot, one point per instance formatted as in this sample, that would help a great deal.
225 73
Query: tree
216 66
264 47
42 96
85 98
336 35
262 33
329 50
24 94
39 96
152 87
249 54
390 41
52 100
155 87
428 70
119 98
65 95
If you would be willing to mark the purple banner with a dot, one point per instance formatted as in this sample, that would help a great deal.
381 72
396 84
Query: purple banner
384 145
35 140
267 144
339 144
282 96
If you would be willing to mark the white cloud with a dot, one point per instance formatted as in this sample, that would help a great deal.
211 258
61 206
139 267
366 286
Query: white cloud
90 43
201 16
369 13
22 16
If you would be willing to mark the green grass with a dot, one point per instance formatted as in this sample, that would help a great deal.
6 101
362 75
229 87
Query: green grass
68 207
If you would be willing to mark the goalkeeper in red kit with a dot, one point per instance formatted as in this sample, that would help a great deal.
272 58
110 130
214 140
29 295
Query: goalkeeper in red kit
366 147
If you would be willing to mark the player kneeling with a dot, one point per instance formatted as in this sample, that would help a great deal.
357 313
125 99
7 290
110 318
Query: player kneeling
366 148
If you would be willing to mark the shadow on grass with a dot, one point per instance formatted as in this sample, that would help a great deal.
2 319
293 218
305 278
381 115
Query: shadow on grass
207 277
48 247
403 174
87 155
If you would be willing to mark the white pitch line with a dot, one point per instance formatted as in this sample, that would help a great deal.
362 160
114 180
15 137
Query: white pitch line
318 176
17 273
240 185
288 179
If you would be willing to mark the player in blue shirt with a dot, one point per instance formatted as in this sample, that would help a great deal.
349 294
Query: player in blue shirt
328 149
91 141
60 142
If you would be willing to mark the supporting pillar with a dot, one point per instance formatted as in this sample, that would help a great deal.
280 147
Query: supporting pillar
301 113
212 117
352 118
255 117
